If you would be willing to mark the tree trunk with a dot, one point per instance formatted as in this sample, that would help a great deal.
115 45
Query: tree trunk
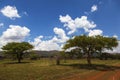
19 60
57 60
65 60
19 57
89 58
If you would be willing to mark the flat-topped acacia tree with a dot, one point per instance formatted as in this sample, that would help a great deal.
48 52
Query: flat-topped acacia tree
18 49
91 44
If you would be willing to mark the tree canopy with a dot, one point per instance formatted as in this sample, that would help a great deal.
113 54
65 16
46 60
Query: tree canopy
91 44
17 49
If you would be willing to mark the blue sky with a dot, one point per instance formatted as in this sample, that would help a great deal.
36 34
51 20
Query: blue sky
51 22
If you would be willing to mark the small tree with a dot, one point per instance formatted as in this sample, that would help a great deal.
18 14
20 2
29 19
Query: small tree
89 45
64 55
17 49
57 60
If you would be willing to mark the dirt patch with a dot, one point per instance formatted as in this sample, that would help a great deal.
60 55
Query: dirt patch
88 76
115 75
97 75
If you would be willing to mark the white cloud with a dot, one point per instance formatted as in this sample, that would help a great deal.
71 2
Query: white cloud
53 44
95 32
45 45
79 22
84 23
1 24
66 18
14 33
61 34
25 13
115 36
10 12
94 8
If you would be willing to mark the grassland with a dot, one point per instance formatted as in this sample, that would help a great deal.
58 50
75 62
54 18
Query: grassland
45 69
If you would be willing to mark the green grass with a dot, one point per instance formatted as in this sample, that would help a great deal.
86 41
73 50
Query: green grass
45 69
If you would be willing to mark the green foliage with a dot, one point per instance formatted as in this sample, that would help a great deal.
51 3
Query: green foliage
89 45
105 56
64 56
17 50
34 56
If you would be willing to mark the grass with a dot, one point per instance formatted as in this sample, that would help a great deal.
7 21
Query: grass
45 69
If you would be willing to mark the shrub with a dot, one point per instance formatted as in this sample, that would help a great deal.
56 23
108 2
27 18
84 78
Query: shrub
34 56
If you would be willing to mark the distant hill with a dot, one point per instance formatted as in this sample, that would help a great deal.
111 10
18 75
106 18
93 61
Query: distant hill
42 52
46 53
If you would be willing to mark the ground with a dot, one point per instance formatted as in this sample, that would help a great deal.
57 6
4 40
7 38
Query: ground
45 69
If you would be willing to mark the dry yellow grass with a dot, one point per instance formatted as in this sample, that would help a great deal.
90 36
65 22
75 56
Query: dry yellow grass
45 69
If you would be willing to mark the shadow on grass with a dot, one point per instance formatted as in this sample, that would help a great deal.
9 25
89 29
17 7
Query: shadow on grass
99 67
16 62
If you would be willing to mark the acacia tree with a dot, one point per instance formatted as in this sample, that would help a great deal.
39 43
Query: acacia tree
17 49
89 45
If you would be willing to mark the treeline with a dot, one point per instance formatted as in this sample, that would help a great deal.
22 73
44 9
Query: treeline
34 55
102 56
106 56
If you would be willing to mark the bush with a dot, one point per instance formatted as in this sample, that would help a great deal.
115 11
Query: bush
34 56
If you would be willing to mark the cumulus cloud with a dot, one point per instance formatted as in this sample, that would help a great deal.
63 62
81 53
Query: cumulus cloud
14 33
53 44
94 8
95 32
79 22
115 36
10 12
1 24
45 45
61 34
